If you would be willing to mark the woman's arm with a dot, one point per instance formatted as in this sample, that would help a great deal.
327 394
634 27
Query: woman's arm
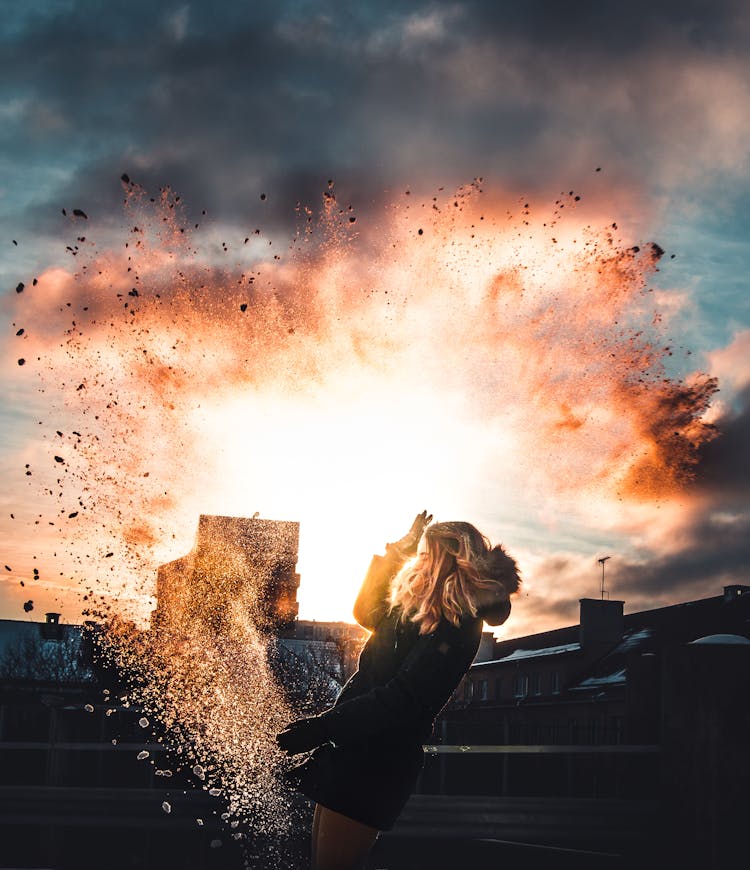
422 686
415 695
372 600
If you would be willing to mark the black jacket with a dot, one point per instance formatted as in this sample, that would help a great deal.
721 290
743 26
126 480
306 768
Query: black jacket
404 678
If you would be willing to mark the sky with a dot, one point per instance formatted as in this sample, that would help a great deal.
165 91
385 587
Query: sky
493 260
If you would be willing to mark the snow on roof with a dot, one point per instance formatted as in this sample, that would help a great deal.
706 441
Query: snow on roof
633 638
615 679
520 654
726 639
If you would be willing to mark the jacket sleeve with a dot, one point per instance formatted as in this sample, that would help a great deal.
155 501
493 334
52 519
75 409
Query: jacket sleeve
372 600
419 690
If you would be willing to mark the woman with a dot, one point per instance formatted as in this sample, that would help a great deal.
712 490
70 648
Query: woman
424 603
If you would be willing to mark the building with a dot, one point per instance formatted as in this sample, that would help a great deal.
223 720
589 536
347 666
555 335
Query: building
234 559
622 737
618 742
344 639
73 792
82 784
596 682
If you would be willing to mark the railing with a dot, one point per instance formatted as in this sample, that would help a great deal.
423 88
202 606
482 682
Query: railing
543 749
621 770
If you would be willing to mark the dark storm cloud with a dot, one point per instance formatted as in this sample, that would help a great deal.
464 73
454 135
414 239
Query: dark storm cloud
716 550
717 556
590 28
695 557
223 103
724 461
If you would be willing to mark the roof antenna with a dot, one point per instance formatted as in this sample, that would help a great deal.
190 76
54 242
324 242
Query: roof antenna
601 562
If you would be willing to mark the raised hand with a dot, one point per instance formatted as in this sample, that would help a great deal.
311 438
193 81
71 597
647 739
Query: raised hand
407 546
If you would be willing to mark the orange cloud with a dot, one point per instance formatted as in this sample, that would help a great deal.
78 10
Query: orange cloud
474 339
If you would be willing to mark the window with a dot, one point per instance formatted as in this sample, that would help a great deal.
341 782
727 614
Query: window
536 684
616 729
520 686
468 690
556 683
26 722
482 690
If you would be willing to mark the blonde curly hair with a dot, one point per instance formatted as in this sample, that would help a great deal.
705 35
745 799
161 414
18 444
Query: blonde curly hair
456 572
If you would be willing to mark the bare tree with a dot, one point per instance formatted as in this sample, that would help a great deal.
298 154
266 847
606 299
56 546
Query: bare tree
310 673
39 659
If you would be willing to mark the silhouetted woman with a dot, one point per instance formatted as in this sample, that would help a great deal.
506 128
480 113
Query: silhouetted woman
424 602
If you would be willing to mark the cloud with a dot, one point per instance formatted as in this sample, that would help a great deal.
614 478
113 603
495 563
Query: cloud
666 551
277 98
448 331
177 23
433 94
716 557
708 547
723 463
731 364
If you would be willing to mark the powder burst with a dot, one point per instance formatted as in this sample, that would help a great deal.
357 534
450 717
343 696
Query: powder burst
192 374
457 352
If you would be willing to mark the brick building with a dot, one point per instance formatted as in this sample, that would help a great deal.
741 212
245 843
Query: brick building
596 682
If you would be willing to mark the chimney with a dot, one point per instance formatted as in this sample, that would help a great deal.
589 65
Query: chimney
602 625
486 650
731 593
51 628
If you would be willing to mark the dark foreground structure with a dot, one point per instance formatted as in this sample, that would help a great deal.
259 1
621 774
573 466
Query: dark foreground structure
620 742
